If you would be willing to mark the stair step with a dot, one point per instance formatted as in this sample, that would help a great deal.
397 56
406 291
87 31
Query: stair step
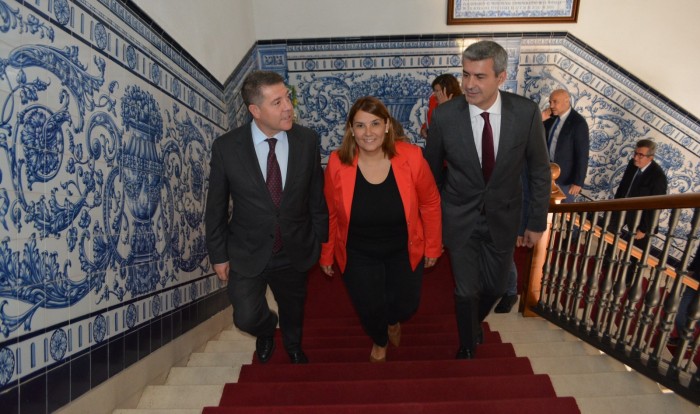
157 411
232 334
229 346
386 391
510 322
604 384
219 359
362 371
412 353
537 336
575 364
520 406
202 375
544 349
638 404
180 396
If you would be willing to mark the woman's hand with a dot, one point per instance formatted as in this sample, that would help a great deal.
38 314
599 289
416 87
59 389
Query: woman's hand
328 270
430 262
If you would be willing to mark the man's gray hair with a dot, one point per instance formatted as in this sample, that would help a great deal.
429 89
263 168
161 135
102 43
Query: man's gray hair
486 49
647 143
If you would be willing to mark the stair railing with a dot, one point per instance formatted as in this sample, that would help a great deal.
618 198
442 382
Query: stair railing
590 277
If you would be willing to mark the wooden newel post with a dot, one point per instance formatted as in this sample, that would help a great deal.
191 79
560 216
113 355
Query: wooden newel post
538 254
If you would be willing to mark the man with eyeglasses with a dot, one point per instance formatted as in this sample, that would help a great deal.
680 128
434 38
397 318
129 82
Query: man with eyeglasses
643 177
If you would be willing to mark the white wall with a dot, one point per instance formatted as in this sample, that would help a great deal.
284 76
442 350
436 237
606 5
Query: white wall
655 40
217 33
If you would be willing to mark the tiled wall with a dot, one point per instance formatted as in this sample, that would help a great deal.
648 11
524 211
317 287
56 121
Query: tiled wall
105 132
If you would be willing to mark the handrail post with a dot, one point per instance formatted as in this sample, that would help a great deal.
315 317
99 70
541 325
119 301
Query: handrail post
538 254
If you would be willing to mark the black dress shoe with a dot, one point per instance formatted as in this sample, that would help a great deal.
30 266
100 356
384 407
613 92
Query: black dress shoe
506 304
464 352
264 347
298 357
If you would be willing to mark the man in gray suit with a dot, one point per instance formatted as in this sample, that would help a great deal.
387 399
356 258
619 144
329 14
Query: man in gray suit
269 170
487 140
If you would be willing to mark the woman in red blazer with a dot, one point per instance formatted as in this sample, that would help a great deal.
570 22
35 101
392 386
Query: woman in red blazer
385 223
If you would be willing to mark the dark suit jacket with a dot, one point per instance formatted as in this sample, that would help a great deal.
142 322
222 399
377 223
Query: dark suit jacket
465 194
651 182
245 238
571 153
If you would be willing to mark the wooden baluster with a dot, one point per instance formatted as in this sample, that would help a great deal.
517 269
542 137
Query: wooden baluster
565 276
556 281
686 339
546 283
594 280
585 265
671 302
634 295
606 287
652 297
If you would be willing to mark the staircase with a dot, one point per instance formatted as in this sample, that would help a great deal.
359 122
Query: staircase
599 383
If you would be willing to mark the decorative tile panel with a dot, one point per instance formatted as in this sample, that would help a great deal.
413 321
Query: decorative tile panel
105 132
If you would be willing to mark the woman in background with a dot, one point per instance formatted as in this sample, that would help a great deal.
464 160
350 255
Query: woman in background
445 87
384 222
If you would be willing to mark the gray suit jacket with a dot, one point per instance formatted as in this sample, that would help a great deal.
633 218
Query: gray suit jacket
245 237
465 195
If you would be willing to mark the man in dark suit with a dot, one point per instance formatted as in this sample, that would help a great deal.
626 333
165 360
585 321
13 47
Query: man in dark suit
568 143
643 177
487 140
269 170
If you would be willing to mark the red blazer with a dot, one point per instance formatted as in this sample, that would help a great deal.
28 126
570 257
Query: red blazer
419 194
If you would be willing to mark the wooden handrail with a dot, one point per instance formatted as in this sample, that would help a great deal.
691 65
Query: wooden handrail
686 200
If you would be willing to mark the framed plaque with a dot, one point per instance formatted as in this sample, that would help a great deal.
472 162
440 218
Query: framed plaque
511 11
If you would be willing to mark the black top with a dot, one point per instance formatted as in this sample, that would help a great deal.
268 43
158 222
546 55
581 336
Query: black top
377 219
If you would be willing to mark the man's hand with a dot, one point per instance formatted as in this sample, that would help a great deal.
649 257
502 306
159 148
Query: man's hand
574 189
639 235
520 241
222 270
530 238
546 114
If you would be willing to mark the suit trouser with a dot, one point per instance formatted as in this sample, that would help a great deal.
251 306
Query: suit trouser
383 290
481 272
251 312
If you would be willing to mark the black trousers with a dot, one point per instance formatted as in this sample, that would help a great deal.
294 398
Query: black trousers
383 290
481 272
251 312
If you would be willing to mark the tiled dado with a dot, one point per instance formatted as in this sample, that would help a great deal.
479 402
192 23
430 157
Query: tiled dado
105 134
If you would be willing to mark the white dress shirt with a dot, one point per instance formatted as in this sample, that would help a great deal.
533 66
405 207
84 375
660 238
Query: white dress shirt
477 122
262 149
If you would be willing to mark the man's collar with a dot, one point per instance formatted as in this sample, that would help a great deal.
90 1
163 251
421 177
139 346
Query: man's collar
496 108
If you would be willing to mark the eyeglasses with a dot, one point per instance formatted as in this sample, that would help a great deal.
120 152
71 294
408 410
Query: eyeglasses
640 155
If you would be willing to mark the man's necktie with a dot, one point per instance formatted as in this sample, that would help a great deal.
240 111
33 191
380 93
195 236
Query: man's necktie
634 178
274 186
550 137
488 158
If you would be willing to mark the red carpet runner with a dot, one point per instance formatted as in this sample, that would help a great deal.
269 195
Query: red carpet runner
421 376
